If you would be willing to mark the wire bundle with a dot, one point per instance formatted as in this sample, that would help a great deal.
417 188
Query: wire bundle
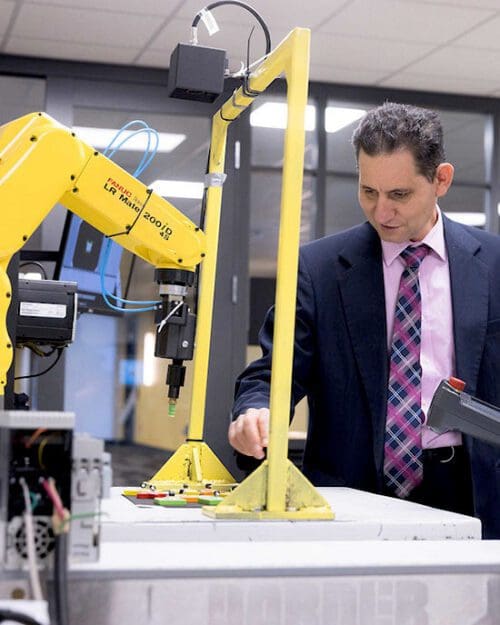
148 156
61 527
34 576
60 524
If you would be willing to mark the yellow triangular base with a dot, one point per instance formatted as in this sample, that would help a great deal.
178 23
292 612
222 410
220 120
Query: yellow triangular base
193 465
249 500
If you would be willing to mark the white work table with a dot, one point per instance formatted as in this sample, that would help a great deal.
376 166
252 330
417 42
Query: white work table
383 562
301 558
283 583
359 516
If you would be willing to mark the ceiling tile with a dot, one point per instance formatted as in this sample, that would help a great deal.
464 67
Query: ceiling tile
179 30
405 21
469 64
479 4
364 53
443 84
89 27
333 73
6 8
144 7
286 14
191 7
67 50
153 58
484 36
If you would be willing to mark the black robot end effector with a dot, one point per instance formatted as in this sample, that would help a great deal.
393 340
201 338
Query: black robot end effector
176 374
176 325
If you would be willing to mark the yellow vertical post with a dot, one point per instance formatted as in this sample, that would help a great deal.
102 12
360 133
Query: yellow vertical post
287 262
277 489
208 272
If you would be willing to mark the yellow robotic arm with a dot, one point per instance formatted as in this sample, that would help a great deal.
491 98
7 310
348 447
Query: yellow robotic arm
42 163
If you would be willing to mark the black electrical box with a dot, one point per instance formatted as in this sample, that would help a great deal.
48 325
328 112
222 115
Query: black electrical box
196 73
35 447
46 312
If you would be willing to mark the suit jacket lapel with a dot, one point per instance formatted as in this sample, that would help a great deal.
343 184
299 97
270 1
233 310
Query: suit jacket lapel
361 285
469 294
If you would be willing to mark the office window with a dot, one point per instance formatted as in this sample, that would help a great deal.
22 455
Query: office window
268 120
464 145
265 218
342 209
342 206
465 204
341 118
20 96
464 136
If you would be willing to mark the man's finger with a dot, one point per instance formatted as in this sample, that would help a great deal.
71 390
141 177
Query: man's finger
263 425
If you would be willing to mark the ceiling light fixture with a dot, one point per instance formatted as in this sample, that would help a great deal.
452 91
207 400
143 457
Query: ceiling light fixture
100 138
468 218
274 115
338 117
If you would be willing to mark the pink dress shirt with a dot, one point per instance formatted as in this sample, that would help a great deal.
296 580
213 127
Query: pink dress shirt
437 352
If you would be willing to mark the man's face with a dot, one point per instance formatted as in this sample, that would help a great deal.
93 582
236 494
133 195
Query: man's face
398 201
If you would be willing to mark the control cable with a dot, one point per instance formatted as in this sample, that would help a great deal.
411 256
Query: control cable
149 153
243 5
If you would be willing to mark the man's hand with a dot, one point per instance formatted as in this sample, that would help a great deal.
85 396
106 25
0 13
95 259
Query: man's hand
249 433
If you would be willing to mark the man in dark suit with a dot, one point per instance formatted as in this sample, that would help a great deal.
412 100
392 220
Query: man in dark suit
377 329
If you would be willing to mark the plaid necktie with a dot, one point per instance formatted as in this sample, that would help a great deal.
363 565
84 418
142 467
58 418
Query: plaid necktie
403 450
